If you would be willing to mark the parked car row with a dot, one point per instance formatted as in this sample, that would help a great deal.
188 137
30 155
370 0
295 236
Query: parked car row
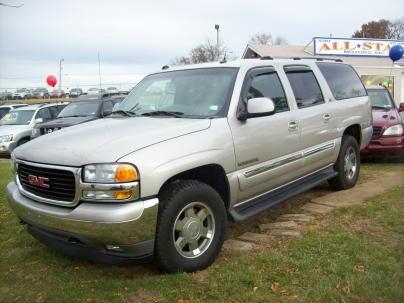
43 93
21 123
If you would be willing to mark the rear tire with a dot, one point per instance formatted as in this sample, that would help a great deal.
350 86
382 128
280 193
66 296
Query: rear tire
347 165
190 228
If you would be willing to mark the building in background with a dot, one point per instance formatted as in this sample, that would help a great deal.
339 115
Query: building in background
370 58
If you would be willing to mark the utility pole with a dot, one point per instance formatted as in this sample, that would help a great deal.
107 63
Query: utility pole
217 40
60 72
99 68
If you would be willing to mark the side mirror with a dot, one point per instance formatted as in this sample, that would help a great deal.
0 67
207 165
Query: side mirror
38 121
258 107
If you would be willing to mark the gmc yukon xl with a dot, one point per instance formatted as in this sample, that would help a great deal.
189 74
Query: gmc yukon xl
187 150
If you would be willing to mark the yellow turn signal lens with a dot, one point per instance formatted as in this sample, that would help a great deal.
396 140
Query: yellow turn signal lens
123 194
125 173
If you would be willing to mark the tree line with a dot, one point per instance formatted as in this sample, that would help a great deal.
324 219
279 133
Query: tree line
211 52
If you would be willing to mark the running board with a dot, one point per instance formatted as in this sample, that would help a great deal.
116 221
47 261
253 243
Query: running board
268 200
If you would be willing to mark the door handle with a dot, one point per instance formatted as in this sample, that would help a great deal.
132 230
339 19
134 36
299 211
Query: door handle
326 117
292 125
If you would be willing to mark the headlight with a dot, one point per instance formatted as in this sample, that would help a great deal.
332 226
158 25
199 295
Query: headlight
6 138
111 182
395 130
110 173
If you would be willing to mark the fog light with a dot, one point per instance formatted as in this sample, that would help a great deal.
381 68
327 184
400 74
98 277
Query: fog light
123 194
107 195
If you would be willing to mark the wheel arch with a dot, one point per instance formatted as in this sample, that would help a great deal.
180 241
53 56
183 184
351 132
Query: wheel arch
354 130
212 174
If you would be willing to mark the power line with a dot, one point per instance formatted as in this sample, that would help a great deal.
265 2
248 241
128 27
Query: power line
14 6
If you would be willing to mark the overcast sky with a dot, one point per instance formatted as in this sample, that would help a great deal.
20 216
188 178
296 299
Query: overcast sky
138 37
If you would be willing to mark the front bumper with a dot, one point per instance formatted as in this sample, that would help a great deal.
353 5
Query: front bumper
385 145
7 147
124 230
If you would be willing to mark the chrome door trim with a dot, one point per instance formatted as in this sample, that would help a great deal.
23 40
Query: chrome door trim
293 157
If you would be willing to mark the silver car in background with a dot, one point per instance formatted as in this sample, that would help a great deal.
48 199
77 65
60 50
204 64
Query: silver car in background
16 126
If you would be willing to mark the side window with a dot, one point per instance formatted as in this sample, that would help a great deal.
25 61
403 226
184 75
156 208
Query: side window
107 108
342 79
269 85
305 87
45 114
54 111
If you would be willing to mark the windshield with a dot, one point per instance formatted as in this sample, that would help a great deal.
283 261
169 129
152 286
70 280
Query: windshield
197 93
18 117
79 109
380 98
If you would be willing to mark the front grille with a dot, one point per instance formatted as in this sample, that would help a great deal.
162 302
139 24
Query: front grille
376 131
62 185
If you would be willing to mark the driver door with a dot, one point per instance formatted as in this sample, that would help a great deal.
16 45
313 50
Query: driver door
266 148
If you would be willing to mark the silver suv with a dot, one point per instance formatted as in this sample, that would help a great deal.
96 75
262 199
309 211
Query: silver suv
187 149
17 125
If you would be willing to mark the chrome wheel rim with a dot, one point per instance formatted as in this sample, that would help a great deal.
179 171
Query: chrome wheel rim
350 163
193 230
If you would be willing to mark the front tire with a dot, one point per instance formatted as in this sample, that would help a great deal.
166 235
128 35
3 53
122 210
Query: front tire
190 228
347 165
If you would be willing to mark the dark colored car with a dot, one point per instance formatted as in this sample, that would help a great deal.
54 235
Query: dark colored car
388 128
57 93
40 92
78 112
75 92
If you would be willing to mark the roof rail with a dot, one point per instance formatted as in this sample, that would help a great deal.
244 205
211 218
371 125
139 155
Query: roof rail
317 59
267 58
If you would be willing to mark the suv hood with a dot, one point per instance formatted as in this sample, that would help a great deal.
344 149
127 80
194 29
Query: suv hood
385 118
13 129
105 140
65 122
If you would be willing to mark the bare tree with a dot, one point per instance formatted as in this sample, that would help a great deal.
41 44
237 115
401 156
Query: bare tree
267 39
279 40
261 38
396 29
204 52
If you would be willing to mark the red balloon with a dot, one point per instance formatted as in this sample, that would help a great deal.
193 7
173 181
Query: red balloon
51 80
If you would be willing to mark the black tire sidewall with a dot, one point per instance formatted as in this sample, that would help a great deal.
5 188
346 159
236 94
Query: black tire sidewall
343 181
183 194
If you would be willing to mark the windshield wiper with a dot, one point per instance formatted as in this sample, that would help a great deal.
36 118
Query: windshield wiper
74 116
164 113
125 113
380 107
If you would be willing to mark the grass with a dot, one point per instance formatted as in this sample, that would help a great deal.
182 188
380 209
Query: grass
352 255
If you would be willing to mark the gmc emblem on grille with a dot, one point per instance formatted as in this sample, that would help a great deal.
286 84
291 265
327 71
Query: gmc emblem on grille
38 181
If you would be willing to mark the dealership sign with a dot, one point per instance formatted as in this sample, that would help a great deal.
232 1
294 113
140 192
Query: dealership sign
354 47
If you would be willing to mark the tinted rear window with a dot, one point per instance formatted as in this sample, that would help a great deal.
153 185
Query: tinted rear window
305 88
342 79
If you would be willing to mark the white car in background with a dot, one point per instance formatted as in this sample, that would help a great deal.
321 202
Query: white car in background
94 91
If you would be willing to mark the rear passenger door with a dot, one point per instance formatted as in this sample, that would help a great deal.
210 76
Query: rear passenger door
316 131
